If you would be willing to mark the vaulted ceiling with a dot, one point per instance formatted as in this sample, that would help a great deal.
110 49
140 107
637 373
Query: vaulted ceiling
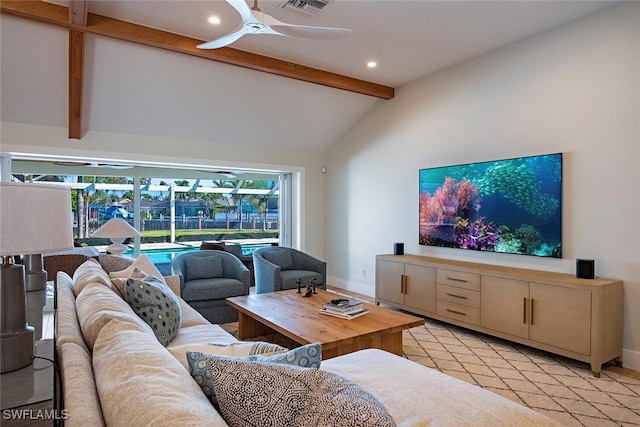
283 92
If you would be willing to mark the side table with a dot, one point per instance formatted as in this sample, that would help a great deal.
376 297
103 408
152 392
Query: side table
27 386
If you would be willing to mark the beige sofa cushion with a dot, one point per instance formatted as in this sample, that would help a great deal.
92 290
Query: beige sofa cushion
111 263
173 282
67 326
416 395
89 272
198 334
141 384
79 388
97 305
190 317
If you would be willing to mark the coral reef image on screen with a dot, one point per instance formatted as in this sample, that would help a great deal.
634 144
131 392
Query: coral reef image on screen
510 206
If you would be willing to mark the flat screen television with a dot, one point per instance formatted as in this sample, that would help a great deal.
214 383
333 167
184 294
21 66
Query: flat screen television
511 206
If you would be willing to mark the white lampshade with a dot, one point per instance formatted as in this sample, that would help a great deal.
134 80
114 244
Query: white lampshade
117 229
34 218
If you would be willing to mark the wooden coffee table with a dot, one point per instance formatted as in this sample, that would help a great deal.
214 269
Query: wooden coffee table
297 317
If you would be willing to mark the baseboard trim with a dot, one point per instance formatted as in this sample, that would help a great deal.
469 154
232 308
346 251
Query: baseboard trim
631 359
359 288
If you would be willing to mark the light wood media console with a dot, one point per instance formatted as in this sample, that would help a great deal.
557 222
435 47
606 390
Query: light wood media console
577 318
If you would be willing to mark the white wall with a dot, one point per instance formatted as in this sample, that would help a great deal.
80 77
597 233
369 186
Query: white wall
574 89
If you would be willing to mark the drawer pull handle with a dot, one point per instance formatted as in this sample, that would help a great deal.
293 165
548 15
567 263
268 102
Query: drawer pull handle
456 296
455 279
456 312
531 311
403 283
524 310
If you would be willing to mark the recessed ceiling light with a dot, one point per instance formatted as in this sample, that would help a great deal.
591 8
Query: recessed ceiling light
214 20
372 64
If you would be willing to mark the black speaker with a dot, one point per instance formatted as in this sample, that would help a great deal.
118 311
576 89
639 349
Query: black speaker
398 248
585 268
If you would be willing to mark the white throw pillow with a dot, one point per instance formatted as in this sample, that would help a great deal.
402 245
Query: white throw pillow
142 263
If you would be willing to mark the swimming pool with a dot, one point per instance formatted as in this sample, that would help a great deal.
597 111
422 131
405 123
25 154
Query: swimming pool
165 255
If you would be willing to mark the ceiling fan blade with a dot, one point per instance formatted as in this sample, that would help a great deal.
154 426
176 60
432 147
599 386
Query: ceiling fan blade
312 33
305 31
243 9
224 40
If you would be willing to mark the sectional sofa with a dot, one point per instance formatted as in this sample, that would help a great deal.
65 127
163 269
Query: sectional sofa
116 371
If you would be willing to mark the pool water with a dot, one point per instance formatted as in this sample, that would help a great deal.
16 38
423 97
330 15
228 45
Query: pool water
164 256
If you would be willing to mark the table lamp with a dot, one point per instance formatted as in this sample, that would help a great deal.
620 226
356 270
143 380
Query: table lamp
117 229
34 218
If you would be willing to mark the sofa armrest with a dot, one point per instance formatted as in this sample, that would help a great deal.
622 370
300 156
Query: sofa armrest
173 282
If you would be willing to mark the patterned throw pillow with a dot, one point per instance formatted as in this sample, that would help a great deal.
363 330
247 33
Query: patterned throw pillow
198 267
307 356
118 284
156 304
286 395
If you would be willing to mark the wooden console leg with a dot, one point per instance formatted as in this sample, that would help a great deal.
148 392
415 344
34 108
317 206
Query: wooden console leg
595 369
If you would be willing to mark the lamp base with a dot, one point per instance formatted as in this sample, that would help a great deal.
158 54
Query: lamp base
17 350
117 249
16 336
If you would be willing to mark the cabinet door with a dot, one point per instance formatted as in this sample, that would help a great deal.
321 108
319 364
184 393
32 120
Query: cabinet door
561 317
389 281
420 291
504 305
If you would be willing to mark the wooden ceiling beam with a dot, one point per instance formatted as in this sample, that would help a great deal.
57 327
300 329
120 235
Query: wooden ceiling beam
96 24
78 15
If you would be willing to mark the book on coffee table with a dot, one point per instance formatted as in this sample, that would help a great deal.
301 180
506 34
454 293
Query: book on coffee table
347 316
343 306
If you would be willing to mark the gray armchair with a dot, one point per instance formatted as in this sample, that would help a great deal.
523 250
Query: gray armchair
247 260
278 269
207 278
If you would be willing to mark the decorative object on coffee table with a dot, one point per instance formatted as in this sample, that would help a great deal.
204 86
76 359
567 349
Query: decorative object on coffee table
34 218
311 286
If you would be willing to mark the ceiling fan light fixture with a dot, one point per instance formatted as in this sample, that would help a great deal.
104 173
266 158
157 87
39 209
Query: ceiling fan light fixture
256 22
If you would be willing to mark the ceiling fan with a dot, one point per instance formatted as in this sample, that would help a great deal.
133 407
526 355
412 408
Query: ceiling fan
255 21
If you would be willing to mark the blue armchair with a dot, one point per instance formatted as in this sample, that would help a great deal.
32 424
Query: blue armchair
207 278
279 268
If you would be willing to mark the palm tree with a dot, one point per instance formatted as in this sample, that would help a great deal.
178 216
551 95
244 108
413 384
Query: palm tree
225 202
238 198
